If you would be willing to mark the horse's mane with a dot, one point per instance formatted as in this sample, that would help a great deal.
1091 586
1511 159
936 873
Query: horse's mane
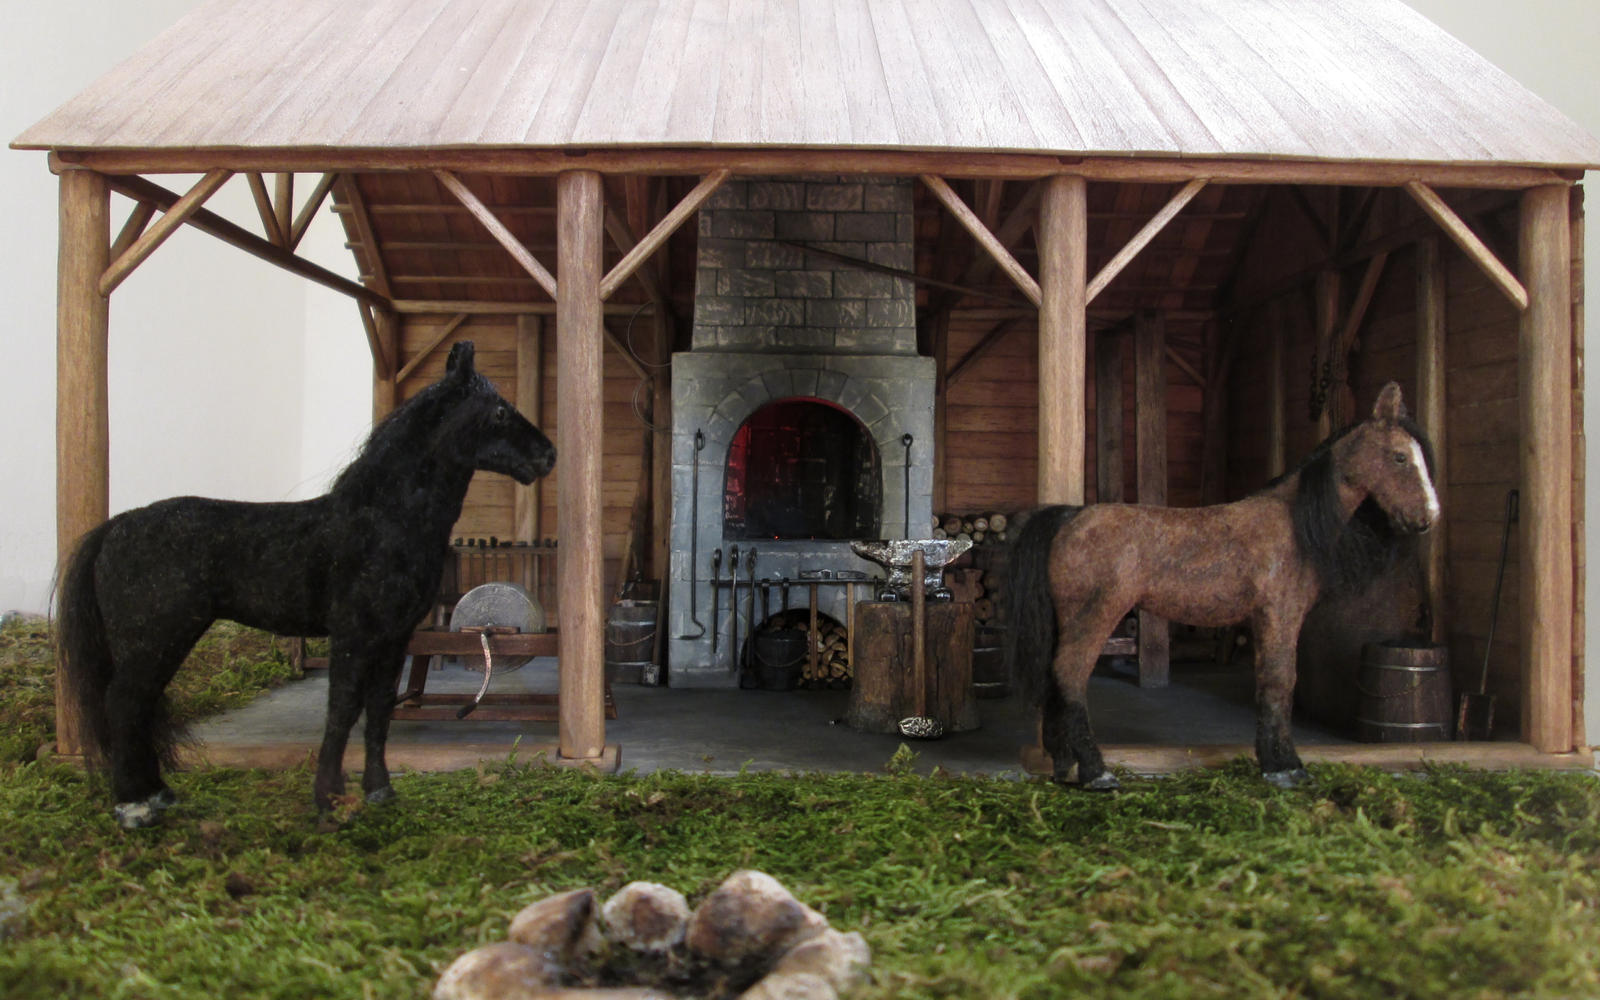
401 438
1347 555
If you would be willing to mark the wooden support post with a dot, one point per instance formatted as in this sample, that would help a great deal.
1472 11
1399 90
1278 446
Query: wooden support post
1063 243
580 233
83 430
1150 413
1430 404
1277 382
1327 315
530 403
386 348
1108 417
1545 374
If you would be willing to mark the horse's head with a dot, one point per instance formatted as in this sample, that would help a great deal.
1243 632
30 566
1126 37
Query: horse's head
498 438
1386 458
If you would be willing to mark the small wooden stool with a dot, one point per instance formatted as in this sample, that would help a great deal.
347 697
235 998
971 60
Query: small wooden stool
884 691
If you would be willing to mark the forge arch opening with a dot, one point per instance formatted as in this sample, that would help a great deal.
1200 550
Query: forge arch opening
802 468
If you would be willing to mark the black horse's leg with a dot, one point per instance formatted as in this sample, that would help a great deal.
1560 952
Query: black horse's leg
344 707
137 728
380 677
1275 674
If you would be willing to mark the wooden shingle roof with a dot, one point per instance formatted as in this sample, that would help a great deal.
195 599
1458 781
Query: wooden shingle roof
1330 80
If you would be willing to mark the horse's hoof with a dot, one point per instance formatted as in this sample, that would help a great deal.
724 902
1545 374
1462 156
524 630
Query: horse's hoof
137 815
1286 779
1105 781
163 799
380 796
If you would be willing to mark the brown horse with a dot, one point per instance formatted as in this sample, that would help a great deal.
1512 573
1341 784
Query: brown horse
1331 525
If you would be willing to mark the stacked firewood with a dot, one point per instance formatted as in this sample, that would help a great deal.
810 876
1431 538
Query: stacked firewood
979 529
979 586
833 669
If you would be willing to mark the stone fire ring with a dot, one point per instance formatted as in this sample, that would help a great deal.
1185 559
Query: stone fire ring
750 939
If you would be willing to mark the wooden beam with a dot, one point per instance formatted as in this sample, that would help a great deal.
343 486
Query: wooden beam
1108 349
498 230
579 425
1142 238
622 235
960 290
284 201
83 429
1545 377
661 232
1431 296
207 222
308 211
528 503
383 337
1062 233
449 307
1150 414
137 219
361 219
433 345
901 163
1277 379
174 216
265 209
1468 241
986 239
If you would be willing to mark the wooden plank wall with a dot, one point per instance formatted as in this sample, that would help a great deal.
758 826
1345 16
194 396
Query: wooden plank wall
991 421
489 508
1481 433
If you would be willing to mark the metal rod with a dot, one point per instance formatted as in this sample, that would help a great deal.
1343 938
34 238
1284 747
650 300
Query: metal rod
694 542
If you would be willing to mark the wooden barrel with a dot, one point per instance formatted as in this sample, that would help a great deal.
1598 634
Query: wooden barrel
989 678
1405 693
630 641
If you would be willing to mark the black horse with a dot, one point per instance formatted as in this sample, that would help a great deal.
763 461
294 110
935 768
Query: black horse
360 564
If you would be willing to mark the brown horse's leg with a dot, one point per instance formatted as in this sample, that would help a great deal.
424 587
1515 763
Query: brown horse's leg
1067 735
1275 673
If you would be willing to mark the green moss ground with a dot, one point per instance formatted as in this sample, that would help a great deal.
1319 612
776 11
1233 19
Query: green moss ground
1443 883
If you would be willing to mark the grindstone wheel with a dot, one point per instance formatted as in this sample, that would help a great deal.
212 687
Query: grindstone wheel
497 604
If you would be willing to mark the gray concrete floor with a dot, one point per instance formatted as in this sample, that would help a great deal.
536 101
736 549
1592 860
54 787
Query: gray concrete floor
724 731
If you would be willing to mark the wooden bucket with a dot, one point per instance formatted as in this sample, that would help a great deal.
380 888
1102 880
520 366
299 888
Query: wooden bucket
630 641
989 678
1405 693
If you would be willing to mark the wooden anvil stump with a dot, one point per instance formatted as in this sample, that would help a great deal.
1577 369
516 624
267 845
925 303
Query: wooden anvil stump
884 689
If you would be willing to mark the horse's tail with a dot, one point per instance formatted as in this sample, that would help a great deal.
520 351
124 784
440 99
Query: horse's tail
1030 613
83 655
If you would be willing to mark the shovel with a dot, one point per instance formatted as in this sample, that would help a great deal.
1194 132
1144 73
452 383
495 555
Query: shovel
920 726
1475 718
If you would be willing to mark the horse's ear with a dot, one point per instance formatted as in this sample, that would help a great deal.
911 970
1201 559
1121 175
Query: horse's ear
460 360
1389 405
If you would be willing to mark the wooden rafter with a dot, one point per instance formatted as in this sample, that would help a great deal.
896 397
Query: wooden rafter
985 344
986 239
264 208
498 230
658 235
622 235
1468 241
141 189
1142 238
308 211
174 216
143 212
284 201
361 219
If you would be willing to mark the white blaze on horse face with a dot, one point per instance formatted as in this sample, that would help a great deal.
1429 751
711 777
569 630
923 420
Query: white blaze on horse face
1421 463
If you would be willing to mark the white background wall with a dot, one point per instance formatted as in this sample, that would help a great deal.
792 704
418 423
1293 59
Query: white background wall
232 378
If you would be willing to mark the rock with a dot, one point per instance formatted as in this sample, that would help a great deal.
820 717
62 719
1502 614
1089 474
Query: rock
791 986
750 914
841 959
560 928
503 971
647 917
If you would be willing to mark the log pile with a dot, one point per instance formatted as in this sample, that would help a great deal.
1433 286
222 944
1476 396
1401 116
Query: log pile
980 529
